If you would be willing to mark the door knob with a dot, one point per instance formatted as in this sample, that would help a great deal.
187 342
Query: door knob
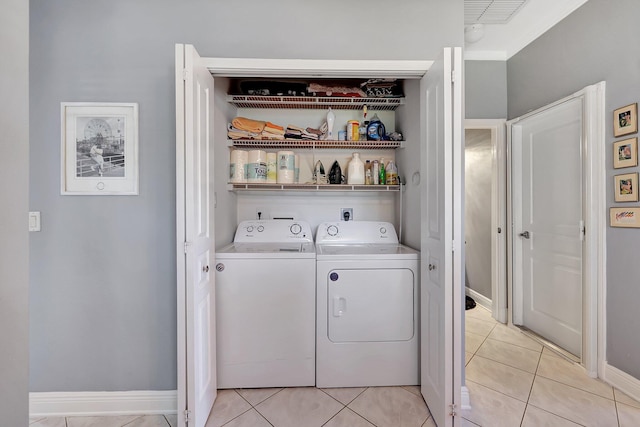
524 234
432 267
205 268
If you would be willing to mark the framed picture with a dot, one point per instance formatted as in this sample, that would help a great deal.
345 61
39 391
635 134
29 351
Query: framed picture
625 120
626 187
625 153
99 148
625 217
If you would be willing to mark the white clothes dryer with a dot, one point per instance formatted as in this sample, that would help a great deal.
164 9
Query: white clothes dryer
367 306
265 306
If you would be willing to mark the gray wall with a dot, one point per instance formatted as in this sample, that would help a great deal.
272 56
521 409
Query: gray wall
103 299
477 215
595 43
485 89
14 190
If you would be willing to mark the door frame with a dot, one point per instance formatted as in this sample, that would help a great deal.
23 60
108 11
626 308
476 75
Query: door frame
498 129
247 67
595 219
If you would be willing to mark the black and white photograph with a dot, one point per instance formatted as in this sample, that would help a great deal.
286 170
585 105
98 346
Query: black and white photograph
100 143
99 148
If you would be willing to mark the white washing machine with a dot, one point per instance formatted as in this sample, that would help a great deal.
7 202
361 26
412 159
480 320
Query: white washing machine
367 306
265 306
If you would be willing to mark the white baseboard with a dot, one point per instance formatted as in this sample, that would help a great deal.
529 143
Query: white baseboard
479 298
465 399
622 381
103 403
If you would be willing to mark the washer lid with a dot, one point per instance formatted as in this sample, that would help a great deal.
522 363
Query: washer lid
267 250
366 251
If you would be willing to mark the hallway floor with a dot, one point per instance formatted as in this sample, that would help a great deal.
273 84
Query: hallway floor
513 381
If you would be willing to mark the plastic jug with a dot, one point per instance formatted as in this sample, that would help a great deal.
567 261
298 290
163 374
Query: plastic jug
355 170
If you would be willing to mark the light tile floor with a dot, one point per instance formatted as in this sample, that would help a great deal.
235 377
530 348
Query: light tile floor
513 381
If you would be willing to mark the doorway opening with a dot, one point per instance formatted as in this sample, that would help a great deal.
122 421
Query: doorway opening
485 215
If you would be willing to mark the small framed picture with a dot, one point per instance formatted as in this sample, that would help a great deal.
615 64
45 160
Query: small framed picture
626 187
625 120
625 153
99 153
625 217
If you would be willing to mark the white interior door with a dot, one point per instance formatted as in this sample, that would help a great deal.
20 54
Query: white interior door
196 286
441 270
548 223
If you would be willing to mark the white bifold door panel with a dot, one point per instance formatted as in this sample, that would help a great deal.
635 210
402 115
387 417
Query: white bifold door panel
548 231
441 268
196 281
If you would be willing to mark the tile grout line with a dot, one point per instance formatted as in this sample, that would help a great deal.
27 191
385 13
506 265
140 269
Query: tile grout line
535 375
244 412
578 388
556 415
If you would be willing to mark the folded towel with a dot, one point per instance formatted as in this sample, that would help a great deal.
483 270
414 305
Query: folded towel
294 128
268 135
242 123
273 128
234 133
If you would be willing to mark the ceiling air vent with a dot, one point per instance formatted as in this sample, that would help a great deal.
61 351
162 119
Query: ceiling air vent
490 11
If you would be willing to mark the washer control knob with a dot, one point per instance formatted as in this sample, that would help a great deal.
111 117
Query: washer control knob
332 230
295 228
250 228
333 276
383 230
260 228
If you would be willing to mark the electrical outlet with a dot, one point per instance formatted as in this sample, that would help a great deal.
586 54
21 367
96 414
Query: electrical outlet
346 214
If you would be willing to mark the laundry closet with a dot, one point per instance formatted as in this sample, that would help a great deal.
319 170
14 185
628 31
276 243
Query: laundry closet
425 208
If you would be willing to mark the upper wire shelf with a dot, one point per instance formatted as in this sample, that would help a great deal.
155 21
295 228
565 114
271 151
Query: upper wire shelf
305 143
315 102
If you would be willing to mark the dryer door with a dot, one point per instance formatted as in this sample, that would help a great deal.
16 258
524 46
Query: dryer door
370 305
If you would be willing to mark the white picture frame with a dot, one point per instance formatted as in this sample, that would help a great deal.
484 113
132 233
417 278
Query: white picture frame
99 151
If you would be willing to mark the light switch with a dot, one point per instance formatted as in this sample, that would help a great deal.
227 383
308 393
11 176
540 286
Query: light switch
34 221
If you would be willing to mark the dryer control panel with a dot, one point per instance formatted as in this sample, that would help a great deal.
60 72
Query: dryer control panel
356 232
274 231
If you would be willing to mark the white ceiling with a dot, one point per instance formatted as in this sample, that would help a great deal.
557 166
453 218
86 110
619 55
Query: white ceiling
510 25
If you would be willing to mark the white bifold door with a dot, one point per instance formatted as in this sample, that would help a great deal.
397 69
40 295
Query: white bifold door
196 288
548 228
442 261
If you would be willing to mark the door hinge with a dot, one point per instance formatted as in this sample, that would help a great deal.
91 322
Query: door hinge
187 416
453 246
186 246
185 73
453 76
453 410
583 230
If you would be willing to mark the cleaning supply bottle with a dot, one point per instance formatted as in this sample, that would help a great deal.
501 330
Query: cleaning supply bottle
355 170
392 173
375 172
367 173
331 119
383 175
375 130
